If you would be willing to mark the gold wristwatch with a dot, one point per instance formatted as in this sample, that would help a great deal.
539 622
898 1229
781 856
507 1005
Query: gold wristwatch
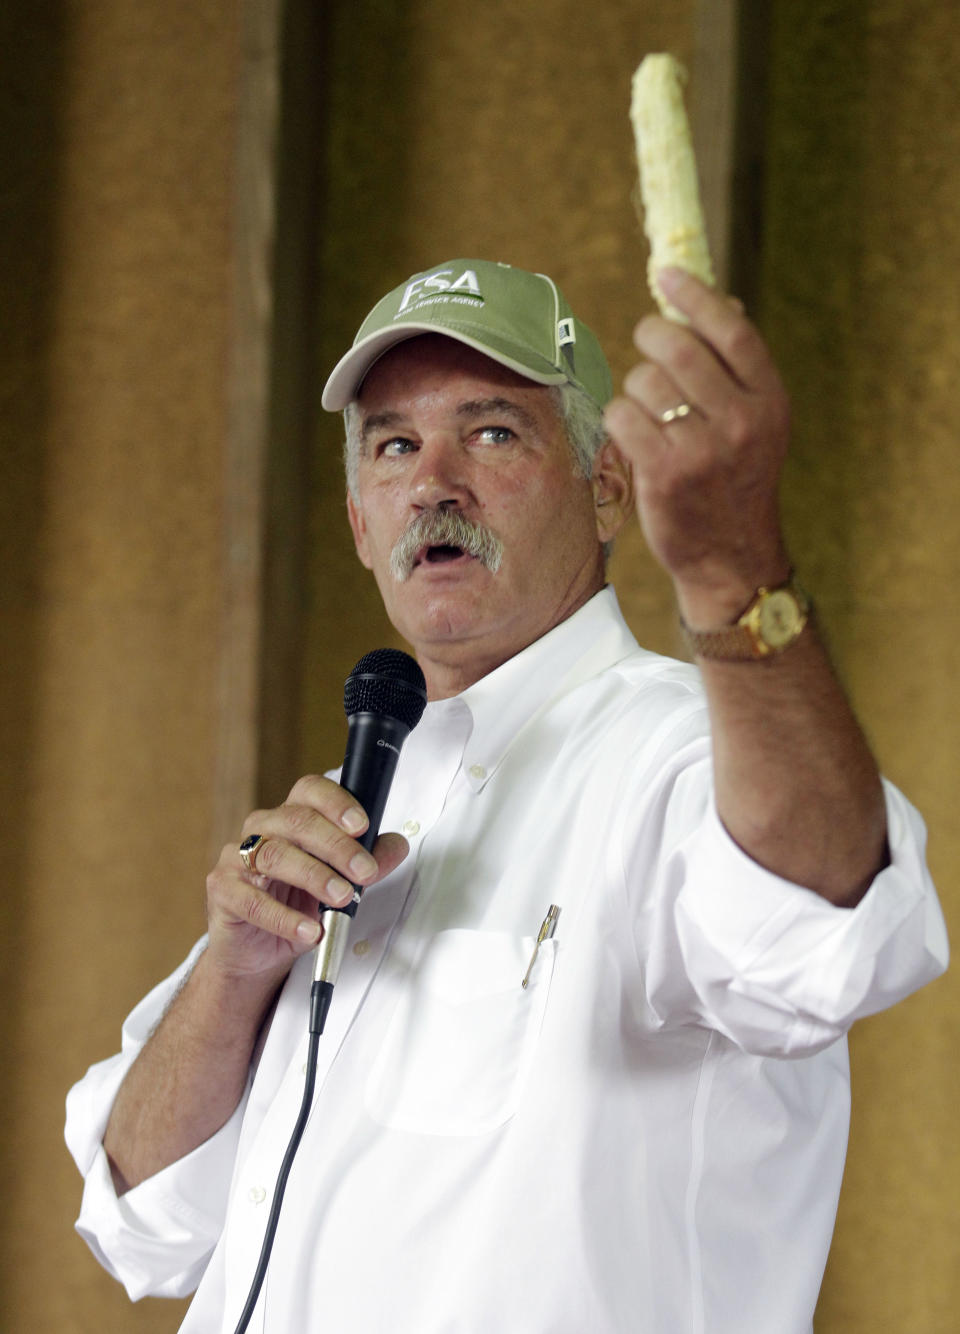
771 623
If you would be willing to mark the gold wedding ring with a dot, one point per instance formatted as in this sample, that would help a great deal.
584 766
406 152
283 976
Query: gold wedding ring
676 414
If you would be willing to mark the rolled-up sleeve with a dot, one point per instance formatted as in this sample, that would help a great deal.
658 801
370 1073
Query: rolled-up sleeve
156 1238
775 967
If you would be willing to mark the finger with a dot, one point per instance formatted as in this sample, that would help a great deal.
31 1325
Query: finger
261 909
302 829
632 428
696 370
291 864
239 900
389 851
658 394
284 863
302 848
332 800
720 322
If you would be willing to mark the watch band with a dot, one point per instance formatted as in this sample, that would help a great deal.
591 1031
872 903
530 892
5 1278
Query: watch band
773 620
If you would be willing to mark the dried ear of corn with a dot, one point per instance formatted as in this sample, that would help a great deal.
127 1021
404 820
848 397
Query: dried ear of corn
672 215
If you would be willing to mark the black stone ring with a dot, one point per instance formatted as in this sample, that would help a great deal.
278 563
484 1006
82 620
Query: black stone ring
248 852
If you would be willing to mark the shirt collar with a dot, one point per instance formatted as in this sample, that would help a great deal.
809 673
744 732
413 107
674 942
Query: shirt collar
502 703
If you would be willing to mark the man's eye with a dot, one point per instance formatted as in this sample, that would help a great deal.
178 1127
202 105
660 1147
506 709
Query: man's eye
395 448
496 435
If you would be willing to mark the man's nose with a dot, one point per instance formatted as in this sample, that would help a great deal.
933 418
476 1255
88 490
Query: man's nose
439 477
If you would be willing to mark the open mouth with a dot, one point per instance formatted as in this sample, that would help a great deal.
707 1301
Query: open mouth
444 538
441 554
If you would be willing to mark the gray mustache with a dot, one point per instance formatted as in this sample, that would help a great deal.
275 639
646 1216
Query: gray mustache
444 528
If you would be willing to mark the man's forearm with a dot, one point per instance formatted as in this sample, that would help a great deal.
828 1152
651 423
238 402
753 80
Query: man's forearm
797 786
190 1076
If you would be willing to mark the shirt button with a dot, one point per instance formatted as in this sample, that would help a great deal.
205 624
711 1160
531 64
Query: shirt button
361 948
411 827
256 1195
477 771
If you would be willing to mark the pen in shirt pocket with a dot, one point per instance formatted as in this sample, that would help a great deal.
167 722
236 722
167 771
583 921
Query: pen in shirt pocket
547 928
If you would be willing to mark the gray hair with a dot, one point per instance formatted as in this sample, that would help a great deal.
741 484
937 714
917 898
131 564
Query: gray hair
582 422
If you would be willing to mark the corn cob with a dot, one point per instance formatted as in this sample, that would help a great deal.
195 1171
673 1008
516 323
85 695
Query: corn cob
672 215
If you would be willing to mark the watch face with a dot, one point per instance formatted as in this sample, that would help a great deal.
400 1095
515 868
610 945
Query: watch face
780 618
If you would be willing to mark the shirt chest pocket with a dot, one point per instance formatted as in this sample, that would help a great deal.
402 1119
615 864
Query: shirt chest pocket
461 1040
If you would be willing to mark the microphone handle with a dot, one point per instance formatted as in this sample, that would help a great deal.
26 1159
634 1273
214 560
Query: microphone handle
373 749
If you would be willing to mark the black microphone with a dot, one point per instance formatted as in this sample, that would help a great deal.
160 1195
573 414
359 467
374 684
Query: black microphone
384 699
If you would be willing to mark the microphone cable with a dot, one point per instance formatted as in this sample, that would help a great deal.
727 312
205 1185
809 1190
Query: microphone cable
293 1144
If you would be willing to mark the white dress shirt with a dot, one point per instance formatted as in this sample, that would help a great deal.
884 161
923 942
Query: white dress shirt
649 1137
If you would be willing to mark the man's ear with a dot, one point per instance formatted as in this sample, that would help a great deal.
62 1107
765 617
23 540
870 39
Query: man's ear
359 528
612 483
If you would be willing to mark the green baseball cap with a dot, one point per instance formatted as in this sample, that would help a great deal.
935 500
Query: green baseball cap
517 318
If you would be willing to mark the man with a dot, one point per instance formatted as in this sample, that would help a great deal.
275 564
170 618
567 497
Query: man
641 1123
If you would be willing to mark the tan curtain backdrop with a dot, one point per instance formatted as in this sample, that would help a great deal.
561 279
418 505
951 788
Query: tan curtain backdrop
201 202
118 130
861 302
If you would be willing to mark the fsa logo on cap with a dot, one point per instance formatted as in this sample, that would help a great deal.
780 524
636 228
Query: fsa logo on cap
423 288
